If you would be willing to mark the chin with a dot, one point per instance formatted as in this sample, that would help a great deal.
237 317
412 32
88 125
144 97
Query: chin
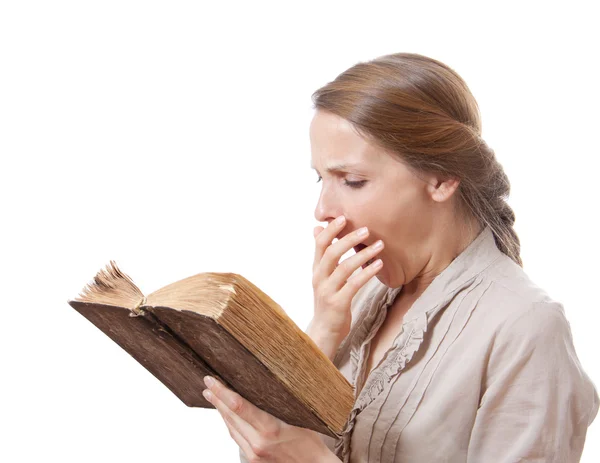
383 278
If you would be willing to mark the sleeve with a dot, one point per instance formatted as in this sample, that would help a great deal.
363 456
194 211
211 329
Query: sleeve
537 402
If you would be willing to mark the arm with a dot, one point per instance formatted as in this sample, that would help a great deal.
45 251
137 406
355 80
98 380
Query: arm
537 402
326 339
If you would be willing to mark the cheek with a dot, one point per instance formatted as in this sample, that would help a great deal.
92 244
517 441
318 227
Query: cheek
361 201
399 222
391 213
407 206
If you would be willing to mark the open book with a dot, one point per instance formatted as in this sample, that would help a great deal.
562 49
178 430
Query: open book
222 325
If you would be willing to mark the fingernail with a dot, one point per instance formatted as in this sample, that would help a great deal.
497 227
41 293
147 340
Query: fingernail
340 220
362 231
209 381
207 394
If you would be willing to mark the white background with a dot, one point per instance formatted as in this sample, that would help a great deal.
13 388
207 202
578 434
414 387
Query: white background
172 137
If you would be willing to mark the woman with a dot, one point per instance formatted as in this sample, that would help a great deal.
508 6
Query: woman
454 353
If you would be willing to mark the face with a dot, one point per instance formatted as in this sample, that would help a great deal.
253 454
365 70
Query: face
374 190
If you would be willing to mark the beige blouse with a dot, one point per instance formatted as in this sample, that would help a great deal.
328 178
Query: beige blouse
482 370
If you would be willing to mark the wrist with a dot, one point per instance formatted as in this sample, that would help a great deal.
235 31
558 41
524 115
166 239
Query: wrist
324 326
326 338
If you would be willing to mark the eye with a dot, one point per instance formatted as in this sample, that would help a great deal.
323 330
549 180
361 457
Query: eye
355 185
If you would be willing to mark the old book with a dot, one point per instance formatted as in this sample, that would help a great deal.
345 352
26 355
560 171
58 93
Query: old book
222 325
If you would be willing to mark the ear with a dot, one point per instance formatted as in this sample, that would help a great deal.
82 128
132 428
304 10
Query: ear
440 189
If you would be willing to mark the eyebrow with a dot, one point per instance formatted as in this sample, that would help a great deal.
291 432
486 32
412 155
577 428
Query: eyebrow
336 168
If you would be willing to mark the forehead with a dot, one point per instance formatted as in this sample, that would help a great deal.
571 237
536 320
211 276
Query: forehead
336 145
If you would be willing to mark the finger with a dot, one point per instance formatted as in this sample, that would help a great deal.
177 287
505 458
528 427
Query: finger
332 257
236 435
244 429
317 230
345 269
242 443
324 239
357 281
237 408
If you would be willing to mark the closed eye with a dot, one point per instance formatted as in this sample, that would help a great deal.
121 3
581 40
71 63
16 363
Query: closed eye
354 185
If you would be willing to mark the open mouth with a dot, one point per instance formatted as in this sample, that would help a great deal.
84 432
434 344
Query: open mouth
359 247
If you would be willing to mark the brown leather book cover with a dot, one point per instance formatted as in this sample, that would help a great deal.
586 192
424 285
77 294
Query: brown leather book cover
224 326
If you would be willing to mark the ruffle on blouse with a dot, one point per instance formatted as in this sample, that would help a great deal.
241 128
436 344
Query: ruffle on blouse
392 366
368 325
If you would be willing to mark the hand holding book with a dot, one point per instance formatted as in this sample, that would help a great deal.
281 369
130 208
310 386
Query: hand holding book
261 435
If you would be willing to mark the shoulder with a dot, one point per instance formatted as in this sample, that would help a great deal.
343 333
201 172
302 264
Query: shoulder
522 323
514 303
516 322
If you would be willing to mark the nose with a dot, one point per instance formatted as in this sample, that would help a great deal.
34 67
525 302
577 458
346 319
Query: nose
327 208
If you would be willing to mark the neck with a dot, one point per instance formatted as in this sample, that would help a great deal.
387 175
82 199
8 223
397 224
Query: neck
444 246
